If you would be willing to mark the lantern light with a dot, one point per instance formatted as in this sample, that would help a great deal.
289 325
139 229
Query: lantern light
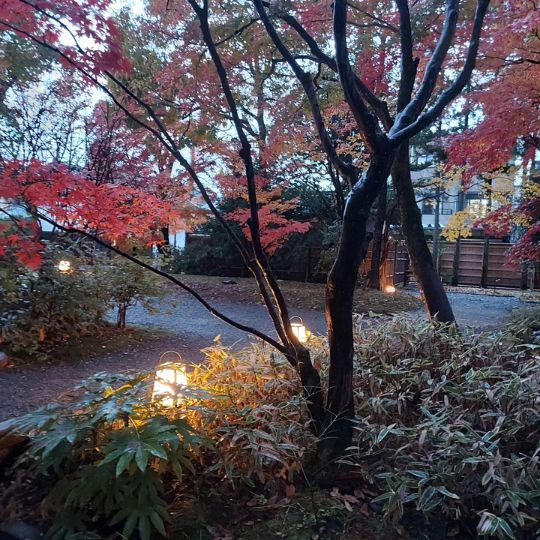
299 330
64 266
169 381
390 289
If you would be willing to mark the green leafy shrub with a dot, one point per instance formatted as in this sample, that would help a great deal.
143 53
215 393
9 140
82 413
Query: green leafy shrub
525 325
448 427
127 284
449 423
106 455
43 307
110 454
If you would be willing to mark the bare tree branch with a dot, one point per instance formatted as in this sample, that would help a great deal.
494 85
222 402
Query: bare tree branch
379 106
433 69
365 120
408 65
172 279
281 322
307 83
399 134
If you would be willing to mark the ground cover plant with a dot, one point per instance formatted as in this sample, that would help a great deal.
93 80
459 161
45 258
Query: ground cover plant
46 307
446 442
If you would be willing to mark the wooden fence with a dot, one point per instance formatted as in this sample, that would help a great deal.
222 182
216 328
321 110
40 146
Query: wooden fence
479 263
482 263
396 270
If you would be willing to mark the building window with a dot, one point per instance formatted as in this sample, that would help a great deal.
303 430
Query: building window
447 206
477 204
428 208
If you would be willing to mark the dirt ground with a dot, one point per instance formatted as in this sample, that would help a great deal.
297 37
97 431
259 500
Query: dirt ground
186 327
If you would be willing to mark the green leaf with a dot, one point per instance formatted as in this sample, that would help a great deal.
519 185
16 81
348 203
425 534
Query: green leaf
129 525
447 493
158 524
123 463
141 458
419 474
144 528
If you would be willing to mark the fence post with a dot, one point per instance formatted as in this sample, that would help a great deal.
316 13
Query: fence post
455 263
524 275
485 263
406 267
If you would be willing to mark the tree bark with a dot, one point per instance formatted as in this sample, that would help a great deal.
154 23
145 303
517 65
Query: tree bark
339 305
121 316
433 293
374 274
312 389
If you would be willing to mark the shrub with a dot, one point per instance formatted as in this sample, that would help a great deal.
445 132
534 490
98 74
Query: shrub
127 284
105 456
110 453
255 416
448 427
449 423
43 307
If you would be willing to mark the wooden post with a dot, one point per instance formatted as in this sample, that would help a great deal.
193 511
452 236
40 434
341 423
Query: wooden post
455 264
524 276
406 268
485 253
485 263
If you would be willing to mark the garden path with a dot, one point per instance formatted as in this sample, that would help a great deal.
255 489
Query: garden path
189 328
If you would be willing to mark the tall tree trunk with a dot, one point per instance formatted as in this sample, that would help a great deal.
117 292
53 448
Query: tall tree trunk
339 304
434 295
437 228
457 247
312 389
374 274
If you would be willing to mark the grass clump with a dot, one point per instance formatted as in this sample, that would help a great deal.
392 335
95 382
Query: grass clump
446 443
448 423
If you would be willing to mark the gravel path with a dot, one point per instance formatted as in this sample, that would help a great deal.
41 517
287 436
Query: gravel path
191 328
480 310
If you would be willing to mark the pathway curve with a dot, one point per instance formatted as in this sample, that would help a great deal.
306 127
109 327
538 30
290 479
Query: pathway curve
190 329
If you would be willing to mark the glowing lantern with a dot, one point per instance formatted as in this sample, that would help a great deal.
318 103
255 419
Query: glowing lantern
390 289
169 382
299 330
64 266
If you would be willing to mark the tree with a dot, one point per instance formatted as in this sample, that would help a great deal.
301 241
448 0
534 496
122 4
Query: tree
384 135
504 104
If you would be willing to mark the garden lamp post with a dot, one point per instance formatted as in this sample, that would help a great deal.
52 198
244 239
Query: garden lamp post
169 382
64 266
298 329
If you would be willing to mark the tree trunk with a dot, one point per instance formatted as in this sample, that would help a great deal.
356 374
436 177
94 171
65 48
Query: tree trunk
374 274
434 295
437 228
339 305
121 316
312 389
164 248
